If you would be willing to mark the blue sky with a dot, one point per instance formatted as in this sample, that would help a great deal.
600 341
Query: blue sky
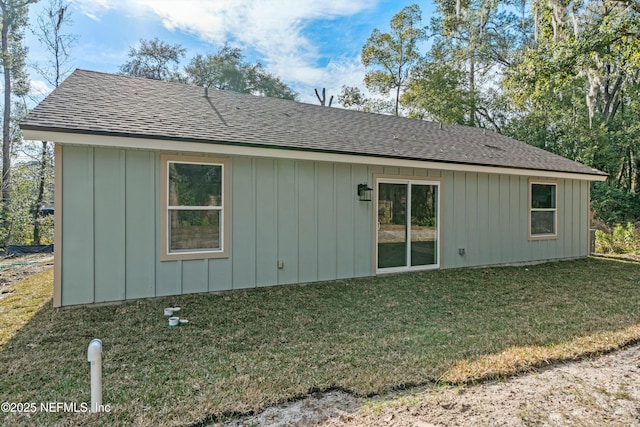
307 43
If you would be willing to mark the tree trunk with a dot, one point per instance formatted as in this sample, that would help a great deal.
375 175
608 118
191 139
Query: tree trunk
630 166
472 91
397 98
6 118
636 180
37 206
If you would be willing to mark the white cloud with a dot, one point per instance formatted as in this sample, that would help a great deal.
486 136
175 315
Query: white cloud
339 72
39 88
92 8
273 28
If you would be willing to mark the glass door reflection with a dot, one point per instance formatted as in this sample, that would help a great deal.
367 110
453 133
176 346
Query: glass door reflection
408 229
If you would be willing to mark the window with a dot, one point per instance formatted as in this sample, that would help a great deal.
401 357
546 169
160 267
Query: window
194 203
408 230
543 213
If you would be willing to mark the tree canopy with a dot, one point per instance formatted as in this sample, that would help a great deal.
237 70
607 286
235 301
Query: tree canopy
391 56
16 83
227 70
153 59
563 76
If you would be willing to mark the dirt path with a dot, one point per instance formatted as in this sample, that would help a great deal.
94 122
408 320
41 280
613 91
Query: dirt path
15 269
604 391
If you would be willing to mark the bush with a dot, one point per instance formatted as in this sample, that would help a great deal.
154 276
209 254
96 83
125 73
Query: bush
24 189
614 205
620 240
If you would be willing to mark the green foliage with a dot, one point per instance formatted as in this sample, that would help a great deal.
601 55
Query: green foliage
575 91
227 70
477 38
195 185
621 240
612 204
353 98
24 190
391 56
14 14
153 59
437 91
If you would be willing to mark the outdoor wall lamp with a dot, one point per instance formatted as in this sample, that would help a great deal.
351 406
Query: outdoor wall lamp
364 192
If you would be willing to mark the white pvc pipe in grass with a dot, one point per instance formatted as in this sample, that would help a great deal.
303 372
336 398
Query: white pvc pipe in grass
94 355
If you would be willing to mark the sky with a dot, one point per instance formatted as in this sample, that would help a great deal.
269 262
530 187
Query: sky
307 43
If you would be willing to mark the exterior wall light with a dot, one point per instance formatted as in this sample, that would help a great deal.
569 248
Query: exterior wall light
364 192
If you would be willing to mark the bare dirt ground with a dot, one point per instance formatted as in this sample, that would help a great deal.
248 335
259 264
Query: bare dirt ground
602 391
14 269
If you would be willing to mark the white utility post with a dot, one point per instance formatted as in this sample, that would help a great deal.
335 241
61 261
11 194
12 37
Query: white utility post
94 355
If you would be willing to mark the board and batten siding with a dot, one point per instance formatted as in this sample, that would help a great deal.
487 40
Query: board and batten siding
487 216
302 212
305 213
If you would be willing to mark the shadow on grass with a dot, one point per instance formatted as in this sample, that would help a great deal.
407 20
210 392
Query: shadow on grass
245 350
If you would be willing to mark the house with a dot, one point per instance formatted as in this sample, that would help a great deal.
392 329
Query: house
168 189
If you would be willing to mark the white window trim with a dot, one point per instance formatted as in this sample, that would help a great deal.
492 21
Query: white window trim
394 179
530 209
165 253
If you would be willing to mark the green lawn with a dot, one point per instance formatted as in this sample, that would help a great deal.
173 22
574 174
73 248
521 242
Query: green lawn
246 350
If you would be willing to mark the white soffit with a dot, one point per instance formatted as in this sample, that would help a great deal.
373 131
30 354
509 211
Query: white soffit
238 150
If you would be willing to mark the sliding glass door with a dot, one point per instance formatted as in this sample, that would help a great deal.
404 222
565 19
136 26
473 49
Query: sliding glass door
408 224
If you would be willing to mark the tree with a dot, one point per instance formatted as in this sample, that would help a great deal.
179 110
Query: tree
437 91
227 70
391 56
323 99
14 20
576 91
153 59
49 31
25 179
351 97
476 38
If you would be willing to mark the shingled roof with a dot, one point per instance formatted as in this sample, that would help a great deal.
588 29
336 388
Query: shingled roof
96 103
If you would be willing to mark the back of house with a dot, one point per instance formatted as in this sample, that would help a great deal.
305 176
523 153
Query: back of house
167 189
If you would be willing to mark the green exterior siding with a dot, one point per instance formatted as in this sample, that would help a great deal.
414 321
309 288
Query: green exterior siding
305 214
109 185
266 223
78 227
243 224
307 222
327 237
287 203
140 235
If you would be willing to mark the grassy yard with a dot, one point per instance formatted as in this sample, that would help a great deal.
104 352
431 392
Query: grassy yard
245 350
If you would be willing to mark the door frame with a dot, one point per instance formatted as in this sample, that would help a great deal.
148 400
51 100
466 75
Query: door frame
396 179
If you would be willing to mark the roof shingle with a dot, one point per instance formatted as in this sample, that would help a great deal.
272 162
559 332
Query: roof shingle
105 104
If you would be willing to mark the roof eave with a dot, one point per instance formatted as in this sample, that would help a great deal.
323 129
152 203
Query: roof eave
167 143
